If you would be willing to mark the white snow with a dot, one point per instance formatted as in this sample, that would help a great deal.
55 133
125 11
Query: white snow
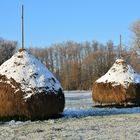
34 77
120 73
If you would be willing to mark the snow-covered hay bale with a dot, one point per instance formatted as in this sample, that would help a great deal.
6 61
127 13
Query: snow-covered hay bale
28 90
120 86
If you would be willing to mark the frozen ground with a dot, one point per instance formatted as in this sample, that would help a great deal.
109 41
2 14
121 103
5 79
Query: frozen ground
81 121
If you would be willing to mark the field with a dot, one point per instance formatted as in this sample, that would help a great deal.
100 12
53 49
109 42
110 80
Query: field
81 121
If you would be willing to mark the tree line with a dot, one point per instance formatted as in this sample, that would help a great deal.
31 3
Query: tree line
78 65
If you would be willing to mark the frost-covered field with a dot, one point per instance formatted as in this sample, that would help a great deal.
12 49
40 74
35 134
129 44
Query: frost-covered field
81 121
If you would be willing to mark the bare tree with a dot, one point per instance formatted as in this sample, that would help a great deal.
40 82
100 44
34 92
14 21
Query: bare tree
135 28
7 49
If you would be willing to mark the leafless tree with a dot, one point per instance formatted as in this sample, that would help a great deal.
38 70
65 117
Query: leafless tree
135 28
7 49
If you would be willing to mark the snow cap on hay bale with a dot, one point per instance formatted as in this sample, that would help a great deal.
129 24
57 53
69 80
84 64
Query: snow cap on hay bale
120 85
28 89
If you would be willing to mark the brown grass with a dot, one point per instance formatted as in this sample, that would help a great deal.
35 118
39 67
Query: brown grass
105 93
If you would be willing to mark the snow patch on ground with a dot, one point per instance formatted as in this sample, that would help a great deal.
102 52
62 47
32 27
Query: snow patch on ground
80 104
34 77
120 74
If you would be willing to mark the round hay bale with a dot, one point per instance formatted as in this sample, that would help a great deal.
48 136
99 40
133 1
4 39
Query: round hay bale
28 90
119 86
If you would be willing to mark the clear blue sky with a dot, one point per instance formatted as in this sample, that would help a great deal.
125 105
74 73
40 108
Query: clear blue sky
53 21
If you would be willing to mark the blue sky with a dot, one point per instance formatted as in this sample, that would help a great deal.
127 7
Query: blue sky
53 21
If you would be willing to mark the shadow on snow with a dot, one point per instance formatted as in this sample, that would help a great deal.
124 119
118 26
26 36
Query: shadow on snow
78 113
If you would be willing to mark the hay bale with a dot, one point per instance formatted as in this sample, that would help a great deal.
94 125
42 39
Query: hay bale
120 86
28 90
